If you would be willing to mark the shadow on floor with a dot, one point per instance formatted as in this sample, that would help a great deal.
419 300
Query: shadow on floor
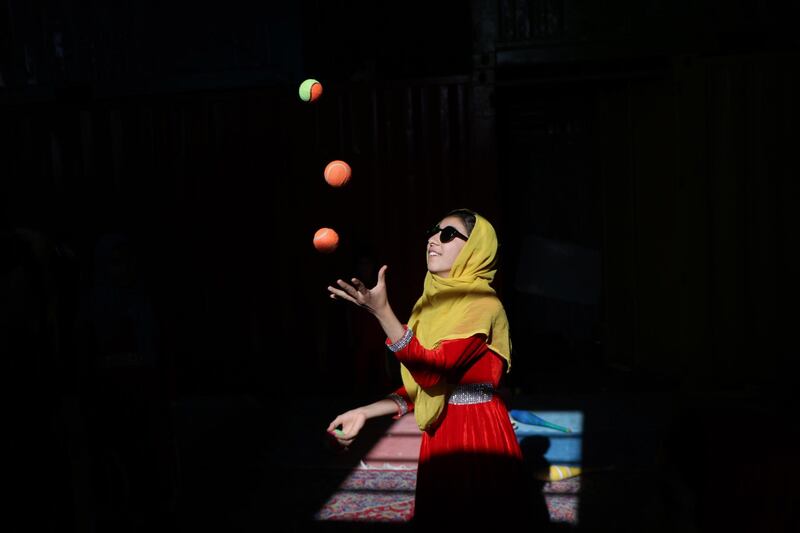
654 461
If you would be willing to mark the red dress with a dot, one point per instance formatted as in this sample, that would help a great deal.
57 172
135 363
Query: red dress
470 464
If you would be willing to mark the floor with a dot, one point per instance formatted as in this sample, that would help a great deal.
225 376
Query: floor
229 482
655 460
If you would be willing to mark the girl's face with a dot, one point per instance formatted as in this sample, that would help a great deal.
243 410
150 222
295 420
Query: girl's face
442 255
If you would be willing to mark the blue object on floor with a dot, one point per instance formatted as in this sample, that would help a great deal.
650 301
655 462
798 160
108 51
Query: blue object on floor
564 448
527 417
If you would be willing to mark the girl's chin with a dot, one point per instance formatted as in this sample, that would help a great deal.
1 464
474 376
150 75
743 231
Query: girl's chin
435 268
439 272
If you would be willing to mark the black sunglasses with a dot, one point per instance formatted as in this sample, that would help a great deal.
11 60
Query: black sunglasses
448 233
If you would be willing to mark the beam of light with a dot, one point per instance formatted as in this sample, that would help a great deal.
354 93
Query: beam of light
563 457
381 488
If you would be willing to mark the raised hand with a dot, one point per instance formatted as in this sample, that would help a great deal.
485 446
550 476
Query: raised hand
373 300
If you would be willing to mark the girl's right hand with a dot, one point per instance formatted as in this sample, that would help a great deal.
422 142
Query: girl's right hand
373 300
351 423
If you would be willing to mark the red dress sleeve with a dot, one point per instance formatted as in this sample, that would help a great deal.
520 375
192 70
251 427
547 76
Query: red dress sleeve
429 367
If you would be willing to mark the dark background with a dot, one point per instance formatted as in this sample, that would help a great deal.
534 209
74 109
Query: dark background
638 160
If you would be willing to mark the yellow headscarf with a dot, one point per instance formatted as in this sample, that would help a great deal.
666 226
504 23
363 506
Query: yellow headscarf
458 307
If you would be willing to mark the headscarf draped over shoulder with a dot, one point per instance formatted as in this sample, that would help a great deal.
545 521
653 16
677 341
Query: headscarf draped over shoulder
458 307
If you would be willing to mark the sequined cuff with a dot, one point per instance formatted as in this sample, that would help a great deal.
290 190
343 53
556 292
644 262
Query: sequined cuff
403 341
402 406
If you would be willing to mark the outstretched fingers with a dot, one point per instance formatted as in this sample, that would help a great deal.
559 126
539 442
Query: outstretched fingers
357 292
346 292
360 287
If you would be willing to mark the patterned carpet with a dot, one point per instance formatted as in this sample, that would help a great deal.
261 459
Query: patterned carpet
387 495
562 500
373 495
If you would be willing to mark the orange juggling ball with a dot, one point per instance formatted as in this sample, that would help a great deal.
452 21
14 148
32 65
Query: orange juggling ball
326 240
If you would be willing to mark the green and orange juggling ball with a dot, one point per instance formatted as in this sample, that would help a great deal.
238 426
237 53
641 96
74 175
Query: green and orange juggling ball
310 90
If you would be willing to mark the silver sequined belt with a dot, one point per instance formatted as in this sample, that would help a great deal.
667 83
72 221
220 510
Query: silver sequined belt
471 393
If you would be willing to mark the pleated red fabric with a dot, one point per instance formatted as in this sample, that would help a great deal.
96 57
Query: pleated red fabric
471 471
